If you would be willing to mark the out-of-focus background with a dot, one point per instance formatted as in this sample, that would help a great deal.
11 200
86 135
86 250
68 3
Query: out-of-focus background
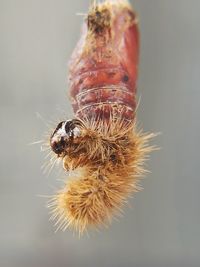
162 226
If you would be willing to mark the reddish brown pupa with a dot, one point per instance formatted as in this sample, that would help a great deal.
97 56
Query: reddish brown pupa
104 66
101 141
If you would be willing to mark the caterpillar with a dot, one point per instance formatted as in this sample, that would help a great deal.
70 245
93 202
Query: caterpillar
101 144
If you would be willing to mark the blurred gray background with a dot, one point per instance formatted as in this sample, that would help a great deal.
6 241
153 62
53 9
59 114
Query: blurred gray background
162 227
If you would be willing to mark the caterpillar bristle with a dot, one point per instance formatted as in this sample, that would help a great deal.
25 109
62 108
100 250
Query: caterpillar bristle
92 199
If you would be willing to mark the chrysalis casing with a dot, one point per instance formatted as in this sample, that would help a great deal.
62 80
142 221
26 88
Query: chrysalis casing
104 66
101 141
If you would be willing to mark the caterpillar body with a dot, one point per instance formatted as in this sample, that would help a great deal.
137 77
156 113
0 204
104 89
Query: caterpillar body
101 142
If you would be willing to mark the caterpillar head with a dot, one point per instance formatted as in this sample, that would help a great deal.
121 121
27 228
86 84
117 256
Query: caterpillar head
66 135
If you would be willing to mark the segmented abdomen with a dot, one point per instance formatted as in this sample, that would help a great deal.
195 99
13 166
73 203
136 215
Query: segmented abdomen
103 69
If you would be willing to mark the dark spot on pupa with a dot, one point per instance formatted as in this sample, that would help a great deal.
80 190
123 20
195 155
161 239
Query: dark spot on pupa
125 78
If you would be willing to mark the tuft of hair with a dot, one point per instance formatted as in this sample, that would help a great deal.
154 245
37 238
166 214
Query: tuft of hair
103 186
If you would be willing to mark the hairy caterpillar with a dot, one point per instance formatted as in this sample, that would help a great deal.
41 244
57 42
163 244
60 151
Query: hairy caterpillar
101 141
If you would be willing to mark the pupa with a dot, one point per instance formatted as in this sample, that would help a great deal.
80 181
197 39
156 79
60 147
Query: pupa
101 143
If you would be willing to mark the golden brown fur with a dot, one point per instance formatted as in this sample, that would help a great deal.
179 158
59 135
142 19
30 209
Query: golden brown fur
111 164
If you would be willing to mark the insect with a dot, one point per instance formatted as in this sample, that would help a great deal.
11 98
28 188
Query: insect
101 142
